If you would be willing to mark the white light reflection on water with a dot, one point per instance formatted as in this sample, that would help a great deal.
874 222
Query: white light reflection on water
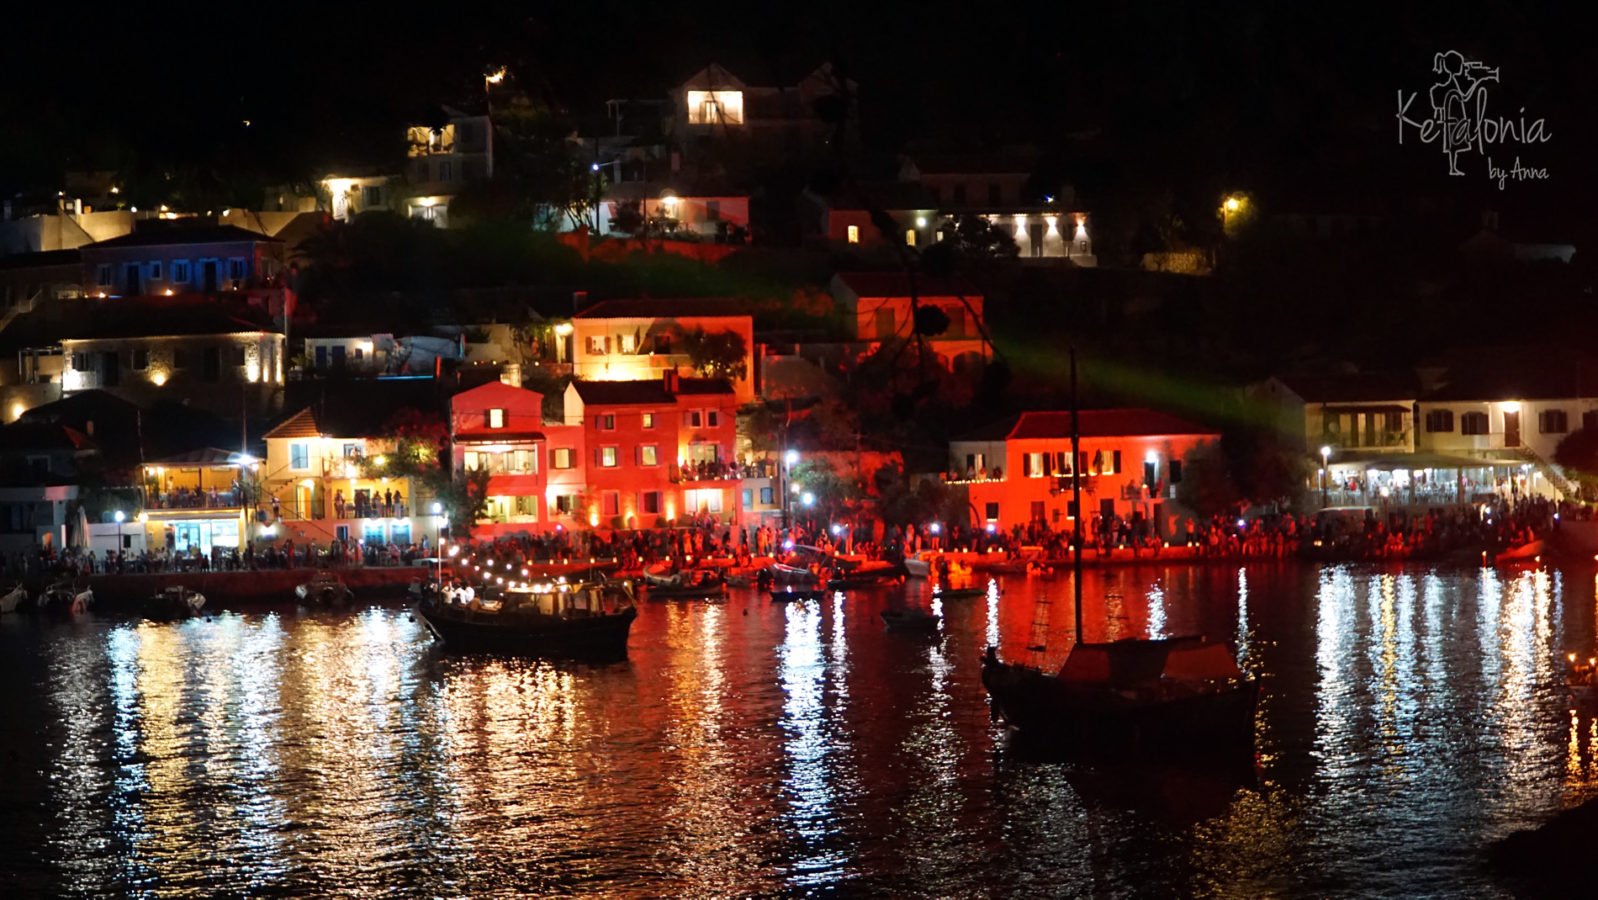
1242 620
808 787
990 633
1156 598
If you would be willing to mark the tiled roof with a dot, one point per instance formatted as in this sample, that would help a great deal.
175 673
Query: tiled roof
664 308
704 386
1371 387
359 408
1098 423
623 393
897 284
183 233
94 319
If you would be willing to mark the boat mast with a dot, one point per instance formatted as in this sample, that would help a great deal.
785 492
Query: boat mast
1076 502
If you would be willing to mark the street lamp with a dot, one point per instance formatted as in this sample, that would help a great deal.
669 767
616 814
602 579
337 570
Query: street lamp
438 542
120 517
789 458
1326 474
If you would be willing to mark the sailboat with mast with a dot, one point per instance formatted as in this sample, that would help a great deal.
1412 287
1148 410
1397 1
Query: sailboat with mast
1183 696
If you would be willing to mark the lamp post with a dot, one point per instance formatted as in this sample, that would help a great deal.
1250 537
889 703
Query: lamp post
438 542
120 517
1326 472
788 459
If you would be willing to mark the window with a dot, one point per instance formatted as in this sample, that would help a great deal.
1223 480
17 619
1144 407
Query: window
606 422
596 345
607 457
1553 421
991 512
472 460
1038 513
560 458
649 420
749 498
766 497
180 270
527 506
239 355
235 269
299 455
610 503
1439 421
712 419
1176 471
708 500
910 237
155 269
694 418
103 275
141 360
854 234
715 107
565 503
338 355
373 195
496 418
352 451
341 532
1473 423
649 502
1115 463
649 455
625 342
400 533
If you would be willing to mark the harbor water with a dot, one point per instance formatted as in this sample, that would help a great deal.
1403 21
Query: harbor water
1409 716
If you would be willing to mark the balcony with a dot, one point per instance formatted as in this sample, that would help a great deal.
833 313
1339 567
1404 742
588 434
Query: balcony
713 471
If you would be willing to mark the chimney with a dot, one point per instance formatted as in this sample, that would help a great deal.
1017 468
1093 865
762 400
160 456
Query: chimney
669 380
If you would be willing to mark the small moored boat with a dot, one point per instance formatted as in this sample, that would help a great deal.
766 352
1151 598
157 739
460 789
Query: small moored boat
63 599
912 619
11 599
324 589
176 602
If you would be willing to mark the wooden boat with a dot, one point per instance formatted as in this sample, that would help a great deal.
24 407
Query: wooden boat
174 603
796 594
62 599
912 619
915 567
1525 553
710 587
13 599
586 619
783 573
854 582
324 589
1140 698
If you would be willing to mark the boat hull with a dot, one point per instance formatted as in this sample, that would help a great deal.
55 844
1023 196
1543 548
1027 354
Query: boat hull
902 621
796 595
581 636
1103 722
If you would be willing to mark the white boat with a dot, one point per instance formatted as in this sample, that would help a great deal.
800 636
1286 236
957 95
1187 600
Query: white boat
10 601
325 589
916 567
175 602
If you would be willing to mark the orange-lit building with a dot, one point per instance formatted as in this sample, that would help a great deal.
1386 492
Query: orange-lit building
501 428
1131 460
879 303
637 339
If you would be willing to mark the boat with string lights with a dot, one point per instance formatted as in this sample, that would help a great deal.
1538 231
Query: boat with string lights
538 618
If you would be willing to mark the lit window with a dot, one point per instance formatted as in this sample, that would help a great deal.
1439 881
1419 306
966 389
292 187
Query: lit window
649 420
627 343
854 234
299 456
607 457
473 460
560 458
648 455
910 237
715 107
496 418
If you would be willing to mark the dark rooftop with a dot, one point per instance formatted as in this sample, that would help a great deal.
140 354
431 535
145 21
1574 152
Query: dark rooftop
664 308
623 393
180 232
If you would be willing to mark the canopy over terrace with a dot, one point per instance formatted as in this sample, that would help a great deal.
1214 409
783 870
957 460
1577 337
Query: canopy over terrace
197 501
1428 478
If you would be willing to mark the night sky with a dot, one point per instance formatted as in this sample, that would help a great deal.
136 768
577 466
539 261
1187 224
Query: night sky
1294 101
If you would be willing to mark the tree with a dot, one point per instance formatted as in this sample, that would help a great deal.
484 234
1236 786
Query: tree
630 218
1577 454
1206 486
968 239
718 354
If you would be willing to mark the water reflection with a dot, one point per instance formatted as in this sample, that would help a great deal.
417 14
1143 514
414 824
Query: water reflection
748 748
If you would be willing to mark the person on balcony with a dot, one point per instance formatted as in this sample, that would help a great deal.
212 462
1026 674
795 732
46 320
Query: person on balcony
338 503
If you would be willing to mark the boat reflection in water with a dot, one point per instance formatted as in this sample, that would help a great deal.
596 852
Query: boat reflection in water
589 618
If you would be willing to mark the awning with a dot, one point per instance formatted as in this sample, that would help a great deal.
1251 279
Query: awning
1416 461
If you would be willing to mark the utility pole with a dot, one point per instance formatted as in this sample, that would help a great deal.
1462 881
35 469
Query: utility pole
1076 501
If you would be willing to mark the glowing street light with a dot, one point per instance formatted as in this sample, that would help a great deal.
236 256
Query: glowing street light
1326 475
120 517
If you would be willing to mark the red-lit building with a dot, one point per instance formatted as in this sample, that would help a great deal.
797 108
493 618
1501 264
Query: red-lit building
501 428
1131 460
657 451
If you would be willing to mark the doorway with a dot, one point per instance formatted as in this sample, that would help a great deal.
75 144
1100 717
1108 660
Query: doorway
1511 429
